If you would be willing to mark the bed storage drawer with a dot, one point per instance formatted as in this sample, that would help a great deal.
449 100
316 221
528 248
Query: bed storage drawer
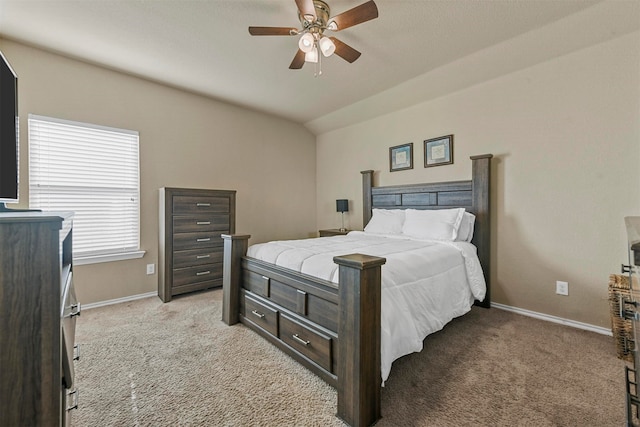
312 343
261 315
313 305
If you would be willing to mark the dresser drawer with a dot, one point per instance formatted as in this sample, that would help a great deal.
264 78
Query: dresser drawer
70 310
201 273
193 257
200 204
198 223
315 345
261 315
183 241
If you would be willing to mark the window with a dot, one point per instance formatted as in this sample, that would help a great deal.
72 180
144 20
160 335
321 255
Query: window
93 171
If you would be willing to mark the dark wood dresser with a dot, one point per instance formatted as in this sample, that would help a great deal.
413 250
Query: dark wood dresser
38 309
190 247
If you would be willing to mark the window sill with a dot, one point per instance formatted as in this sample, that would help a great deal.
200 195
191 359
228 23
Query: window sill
95 259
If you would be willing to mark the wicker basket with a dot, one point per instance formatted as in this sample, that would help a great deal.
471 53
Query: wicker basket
621 328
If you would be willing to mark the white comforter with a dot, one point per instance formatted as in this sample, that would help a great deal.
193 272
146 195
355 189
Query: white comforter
425 284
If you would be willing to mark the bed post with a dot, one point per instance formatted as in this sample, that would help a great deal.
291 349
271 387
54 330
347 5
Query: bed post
481 183
235 247
359 378
367 201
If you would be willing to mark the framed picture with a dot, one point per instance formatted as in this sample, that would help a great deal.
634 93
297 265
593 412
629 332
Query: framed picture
438 151
401 157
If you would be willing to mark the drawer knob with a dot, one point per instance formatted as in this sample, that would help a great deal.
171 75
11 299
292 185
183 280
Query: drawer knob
260 315
203 222
204 239
300 340
203 256
203 205
203 273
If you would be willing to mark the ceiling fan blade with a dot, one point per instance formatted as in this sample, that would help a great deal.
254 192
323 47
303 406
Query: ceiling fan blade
345 51
298 61
306 9
359 14
272 31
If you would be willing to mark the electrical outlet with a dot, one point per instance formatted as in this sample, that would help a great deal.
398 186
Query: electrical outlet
151 268
562 288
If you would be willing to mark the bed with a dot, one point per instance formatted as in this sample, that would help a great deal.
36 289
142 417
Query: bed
337 330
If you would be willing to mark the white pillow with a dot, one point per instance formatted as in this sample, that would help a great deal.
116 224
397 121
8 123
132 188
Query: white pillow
440 224
385 221
465 232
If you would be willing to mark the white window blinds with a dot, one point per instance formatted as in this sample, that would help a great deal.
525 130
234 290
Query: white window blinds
90 170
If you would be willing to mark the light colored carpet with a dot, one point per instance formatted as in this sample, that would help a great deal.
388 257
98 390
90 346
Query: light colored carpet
145 363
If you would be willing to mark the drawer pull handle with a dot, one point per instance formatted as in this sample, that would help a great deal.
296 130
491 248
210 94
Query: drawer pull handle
76 352
300 340
203 205
75 310
203 273
203 256
74 403
260 315
204 239
203 222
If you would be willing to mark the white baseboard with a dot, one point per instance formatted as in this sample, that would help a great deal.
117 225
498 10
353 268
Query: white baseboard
524 312
118 300
554 319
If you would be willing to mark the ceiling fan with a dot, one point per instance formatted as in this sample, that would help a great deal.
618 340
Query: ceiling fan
315 19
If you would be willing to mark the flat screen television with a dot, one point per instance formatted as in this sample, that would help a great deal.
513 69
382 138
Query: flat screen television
9 134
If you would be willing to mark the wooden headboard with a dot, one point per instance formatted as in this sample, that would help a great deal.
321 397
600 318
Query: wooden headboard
473 195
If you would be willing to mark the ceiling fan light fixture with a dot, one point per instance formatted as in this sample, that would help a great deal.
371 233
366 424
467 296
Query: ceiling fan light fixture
316 19
311 56
306 43
326 46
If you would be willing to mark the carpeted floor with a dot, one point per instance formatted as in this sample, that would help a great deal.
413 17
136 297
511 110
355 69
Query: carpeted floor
145 363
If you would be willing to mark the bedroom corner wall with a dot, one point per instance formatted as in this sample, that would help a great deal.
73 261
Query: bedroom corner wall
186 140
566 139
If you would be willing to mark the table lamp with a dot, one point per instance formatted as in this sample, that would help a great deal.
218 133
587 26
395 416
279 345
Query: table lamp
342 206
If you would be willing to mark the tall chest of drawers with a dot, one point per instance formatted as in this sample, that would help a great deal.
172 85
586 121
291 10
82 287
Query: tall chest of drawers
38 312
190 247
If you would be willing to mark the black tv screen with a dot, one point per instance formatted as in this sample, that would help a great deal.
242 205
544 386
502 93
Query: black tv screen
9 150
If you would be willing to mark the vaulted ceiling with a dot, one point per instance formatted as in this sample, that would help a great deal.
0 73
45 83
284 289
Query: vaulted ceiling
205 47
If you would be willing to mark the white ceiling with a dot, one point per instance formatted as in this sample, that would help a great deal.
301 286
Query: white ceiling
204 46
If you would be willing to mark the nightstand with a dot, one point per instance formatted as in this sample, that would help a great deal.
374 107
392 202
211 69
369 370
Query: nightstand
332 232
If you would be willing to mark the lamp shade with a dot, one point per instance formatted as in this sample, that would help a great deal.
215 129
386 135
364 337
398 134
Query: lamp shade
342 205
306 43
326 46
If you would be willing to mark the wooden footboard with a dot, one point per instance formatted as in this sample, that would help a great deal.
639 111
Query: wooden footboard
332 330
